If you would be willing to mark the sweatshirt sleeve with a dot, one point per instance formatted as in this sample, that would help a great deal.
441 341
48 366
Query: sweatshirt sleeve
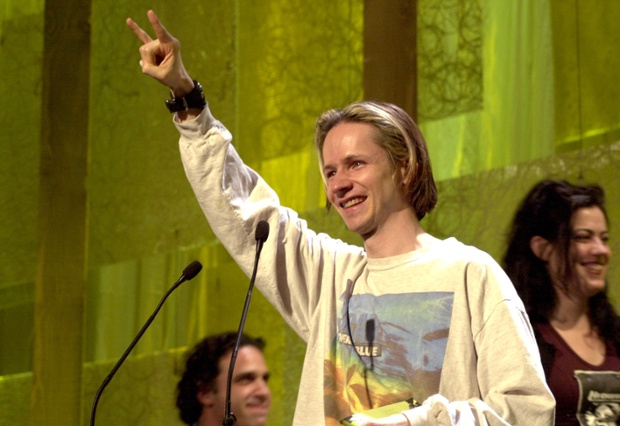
505 364
234 199
509 370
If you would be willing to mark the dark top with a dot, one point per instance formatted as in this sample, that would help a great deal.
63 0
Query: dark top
585 394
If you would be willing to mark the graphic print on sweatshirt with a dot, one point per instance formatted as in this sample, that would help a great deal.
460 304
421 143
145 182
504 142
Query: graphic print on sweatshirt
393 351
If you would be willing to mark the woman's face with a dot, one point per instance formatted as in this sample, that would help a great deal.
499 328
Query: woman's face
589 250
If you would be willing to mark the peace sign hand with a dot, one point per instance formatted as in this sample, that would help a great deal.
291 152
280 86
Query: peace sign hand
161 58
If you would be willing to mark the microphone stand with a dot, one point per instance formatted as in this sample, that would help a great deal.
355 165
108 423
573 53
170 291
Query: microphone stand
189 272
262 231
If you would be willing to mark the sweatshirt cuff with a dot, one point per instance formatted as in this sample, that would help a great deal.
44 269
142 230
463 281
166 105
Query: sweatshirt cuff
417 416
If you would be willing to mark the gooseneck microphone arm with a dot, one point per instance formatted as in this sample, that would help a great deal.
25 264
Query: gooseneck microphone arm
262 232
189 272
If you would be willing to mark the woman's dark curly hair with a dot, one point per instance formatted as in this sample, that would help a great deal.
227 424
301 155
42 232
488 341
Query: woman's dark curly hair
201 369
547 211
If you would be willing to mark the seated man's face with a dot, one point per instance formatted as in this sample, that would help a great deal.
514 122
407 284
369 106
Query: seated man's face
249 394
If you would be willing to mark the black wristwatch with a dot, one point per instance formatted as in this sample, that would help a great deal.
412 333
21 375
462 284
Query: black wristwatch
194 99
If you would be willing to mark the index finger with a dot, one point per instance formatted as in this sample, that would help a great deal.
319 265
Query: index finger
142 35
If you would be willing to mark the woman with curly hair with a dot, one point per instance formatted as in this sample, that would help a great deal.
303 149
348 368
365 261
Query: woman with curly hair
557 257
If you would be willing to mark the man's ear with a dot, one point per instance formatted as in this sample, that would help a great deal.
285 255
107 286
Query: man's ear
541 247
404 168
206 398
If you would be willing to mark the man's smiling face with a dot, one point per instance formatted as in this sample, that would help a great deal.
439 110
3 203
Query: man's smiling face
361 182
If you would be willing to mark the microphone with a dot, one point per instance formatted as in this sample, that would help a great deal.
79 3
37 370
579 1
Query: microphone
262 232
189 272
370 338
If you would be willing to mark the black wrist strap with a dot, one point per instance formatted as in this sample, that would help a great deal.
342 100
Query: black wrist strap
194 99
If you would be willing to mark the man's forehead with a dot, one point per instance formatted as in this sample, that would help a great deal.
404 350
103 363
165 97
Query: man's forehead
249 358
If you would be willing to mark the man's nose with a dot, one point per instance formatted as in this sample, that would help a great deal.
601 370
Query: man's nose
340 185
263 388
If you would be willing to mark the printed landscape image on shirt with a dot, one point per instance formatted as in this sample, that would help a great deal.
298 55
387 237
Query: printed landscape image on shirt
388 349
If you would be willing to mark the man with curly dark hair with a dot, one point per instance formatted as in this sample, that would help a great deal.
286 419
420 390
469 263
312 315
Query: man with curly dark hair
201 392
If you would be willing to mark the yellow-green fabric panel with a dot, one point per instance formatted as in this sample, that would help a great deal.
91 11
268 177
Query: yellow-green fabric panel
586 36
533 76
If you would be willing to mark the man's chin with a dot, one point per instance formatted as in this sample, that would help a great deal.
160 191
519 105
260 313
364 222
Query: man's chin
257 416
356 228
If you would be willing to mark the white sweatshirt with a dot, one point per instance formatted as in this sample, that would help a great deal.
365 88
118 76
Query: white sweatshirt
445 325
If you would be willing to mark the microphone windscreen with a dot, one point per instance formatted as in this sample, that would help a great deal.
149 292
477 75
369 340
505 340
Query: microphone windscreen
192 270
370 330
262 231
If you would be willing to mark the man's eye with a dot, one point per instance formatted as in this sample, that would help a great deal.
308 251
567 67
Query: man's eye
248 378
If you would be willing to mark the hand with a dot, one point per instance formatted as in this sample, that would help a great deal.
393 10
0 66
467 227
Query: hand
161 58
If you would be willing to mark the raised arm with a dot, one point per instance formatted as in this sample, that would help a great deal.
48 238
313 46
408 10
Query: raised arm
160 58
